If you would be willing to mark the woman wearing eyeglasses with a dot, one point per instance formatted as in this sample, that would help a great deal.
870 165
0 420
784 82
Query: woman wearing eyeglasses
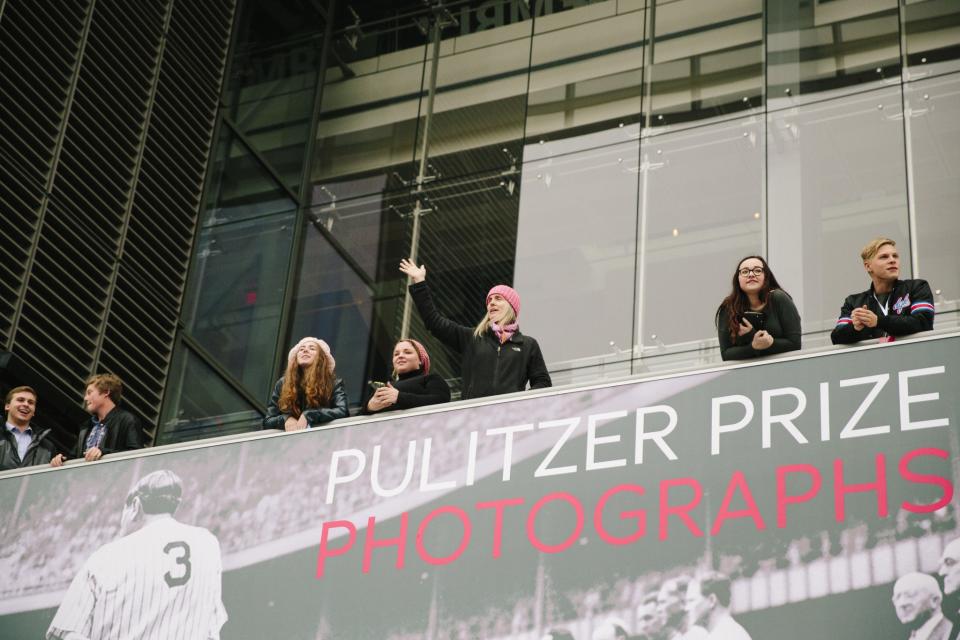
758 318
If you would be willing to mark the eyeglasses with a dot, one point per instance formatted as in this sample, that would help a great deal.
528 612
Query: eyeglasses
757 271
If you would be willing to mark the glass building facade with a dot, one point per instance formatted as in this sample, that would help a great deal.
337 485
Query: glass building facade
610 160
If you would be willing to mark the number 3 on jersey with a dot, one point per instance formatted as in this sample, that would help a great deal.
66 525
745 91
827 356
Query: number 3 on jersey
180 552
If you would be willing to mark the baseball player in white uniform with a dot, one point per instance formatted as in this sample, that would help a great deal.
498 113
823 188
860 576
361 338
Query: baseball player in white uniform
159 580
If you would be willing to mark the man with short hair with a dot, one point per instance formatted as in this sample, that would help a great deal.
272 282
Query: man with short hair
708 606
111 428
649 625
20 444
673 614
161 579
949 572
891 307
916 599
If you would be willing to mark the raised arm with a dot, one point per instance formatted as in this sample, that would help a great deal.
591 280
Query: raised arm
447 331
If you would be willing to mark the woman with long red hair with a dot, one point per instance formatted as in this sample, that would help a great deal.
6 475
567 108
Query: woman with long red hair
758 318
309 394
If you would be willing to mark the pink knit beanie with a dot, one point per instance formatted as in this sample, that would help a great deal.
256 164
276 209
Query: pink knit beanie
320 343
509 294
422 353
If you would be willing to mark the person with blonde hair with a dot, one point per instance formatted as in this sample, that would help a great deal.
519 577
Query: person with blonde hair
111 428
309 394
891 307
495 357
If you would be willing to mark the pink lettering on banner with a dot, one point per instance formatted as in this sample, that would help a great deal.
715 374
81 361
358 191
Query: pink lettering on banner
498 506
325 551
639 514
840 490
922 478
531 521
681 511
464 541
783 499
738 481
400 542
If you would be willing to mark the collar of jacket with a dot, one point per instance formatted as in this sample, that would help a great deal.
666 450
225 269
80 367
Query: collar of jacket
516 338
893 287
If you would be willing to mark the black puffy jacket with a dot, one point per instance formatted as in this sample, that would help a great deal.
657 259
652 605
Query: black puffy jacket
40 450
487 368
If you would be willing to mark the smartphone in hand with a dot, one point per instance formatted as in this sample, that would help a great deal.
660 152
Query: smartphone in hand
757 318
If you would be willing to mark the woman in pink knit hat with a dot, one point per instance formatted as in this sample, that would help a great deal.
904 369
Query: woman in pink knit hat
309 394
495 357
413 385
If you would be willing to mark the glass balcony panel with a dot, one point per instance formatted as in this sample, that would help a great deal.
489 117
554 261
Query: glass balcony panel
836 180
702 209
934 143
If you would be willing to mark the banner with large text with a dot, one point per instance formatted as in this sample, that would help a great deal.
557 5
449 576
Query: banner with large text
813 497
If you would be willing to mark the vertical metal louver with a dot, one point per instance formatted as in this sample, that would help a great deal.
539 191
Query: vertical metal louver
151 274
39 55
108 111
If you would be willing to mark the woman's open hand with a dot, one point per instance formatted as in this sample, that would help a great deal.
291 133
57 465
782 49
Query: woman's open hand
418 274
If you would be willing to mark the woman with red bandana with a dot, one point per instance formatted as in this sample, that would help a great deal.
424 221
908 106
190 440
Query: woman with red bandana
413 385
495 357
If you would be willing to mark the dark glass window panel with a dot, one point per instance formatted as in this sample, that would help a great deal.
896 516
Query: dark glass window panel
705 62
931 30
586 76
818 50
232 306
240 187
481 97
371 102
272 80
468 243
200 404
334 302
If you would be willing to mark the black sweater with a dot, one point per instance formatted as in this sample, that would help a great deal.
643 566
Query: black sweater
415 390
487 368
782 323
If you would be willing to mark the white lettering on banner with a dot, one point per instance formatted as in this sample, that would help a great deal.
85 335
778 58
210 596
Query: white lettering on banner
407 474
850 429
716 428
544 469
824 411
906 400
658 437
334 478
786 420
425 484
552 440
593 440
508 444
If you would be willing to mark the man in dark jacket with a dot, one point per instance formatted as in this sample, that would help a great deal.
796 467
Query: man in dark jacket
20 444
891 307
111 428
